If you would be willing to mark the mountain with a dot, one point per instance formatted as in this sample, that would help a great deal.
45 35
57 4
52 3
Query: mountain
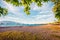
11 23
8 23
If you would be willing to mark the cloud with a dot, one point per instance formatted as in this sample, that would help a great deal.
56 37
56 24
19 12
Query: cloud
45 6
16 14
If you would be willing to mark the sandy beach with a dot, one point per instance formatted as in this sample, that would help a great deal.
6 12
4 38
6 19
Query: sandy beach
46 30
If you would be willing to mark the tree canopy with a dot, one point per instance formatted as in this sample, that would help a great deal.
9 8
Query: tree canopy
56 9
3 11
27 3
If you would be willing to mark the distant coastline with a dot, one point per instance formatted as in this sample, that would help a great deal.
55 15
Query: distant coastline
10 23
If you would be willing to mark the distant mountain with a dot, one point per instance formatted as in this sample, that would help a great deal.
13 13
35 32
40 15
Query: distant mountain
8 23
11 23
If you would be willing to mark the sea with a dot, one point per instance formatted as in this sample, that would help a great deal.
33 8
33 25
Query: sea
9 23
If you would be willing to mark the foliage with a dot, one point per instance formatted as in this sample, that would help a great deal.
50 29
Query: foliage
56 9
3 11
26 4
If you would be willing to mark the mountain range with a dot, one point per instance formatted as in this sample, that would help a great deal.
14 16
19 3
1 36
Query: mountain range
11 23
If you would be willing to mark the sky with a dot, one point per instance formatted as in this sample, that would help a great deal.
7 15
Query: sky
39 15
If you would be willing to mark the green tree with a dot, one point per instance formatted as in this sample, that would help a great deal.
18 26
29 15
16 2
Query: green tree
27 3
3 11
56 9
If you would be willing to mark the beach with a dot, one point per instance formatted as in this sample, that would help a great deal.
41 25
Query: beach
49 31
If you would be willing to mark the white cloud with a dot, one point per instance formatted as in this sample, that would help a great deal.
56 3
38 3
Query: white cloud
45 6
21 18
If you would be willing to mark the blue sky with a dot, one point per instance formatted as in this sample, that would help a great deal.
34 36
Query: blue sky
38 15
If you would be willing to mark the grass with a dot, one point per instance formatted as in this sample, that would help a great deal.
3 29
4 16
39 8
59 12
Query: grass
16 35
56 28
56 36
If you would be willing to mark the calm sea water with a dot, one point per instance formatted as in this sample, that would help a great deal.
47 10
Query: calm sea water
9 23
24 25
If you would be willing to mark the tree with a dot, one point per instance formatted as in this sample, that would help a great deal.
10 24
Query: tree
3 11
27 3
56 9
